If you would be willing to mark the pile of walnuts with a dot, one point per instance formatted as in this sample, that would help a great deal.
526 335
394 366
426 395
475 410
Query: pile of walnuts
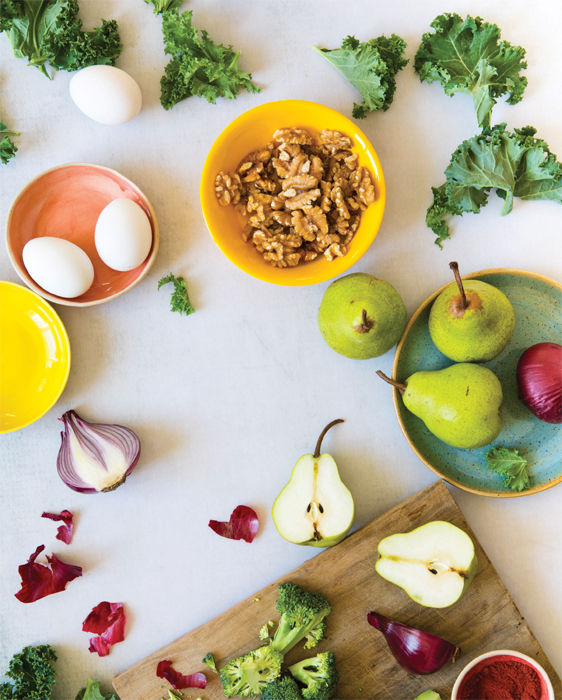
302 197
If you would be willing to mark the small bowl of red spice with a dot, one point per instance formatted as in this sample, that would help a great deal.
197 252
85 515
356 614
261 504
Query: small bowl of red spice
503 675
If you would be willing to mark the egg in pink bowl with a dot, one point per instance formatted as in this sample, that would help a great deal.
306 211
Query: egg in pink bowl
66 202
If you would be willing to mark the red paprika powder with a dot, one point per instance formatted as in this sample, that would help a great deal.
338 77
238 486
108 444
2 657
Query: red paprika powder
502 678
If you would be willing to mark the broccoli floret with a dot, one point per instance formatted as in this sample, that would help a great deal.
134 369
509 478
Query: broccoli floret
301 613
285 688
249 674
318 675
316 635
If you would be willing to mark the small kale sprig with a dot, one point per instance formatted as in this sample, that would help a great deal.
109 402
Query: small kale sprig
466 55
514 164
50 32
7 147
371 67
511 466
198 65
180 299
160 6
33 674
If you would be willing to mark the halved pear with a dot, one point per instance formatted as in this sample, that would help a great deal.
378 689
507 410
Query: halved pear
434 563
315 507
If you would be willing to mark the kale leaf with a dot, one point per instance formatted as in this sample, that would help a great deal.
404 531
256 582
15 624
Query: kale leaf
371 67
468 56
511 465
198 66
92 692
515 164
50 32
33 674
7 147
180 298
160 6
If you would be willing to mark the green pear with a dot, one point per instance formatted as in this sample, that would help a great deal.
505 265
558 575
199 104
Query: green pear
315 507
471 321
361 316
434 563
459 404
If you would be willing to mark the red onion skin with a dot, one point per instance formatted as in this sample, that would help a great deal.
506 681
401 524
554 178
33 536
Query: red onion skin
417 651
539 380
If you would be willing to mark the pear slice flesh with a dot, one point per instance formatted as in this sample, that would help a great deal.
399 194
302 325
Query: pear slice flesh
434 563
315 507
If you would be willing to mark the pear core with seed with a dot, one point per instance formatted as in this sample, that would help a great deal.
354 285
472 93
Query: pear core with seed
434 563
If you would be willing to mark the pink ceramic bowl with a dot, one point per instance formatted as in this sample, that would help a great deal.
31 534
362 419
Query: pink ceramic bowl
65 202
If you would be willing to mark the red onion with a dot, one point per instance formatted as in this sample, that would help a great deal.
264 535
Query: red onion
179 680
418 652
95 457
539 378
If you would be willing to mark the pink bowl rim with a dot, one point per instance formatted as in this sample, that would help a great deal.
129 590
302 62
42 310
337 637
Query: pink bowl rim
69 302
503 652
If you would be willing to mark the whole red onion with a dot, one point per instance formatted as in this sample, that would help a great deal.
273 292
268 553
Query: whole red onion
539 378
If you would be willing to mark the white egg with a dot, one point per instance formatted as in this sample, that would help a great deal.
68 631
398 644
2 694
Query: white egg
106 94
59 266
123 235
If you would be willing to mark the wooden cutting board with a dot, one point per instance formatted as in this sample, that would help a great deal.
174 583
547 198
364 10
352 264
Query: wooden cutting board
486 618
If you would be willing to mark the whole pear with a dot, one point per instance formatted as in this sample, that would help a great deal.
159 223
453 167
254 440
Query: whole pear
459 404
361 316
471 321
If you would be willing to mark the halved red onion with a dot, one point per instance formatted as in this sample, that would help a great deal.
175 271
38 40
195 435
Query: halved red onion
95 457
108 621
178 680
38 580
243 524
417 651
64 532
539 379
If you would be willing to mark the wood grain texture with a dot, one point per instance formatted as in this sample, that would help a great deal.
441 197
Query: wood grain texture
486 618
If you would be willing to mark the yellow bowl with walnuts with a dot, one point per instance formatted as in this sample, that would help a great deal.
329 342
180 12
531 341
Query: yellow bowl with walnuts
293 193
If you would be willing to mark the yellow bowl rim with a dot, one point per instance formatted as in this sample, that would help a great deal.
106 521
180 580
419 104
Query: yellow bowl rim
396 399
205 174
69 302
56 319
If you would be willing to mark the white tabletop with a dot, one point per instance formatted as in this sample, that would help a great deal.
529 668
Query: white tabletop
227 399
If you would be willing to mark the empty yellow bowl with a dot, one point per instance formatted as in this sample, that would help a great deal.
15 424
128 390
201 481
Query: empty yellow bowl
34 357
253 130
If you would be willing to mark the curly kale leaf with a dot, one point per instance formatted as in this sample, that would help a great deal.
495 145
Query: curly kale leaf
514 164
50 32
180 299
33 674
466 55
160 6
511 466
371 67
198 66
7 147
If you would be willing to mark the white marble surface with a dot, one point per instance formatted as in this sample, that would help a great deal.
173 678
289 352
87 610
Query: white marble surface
226 400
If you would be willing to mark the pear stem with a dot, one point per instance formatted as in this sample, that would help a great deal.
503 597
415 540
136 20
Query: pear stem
401 386
455 268
366 323
319 442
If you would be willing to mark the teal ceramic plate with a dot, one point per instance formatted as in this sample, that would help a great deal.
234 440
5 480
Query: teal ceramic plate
537 302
